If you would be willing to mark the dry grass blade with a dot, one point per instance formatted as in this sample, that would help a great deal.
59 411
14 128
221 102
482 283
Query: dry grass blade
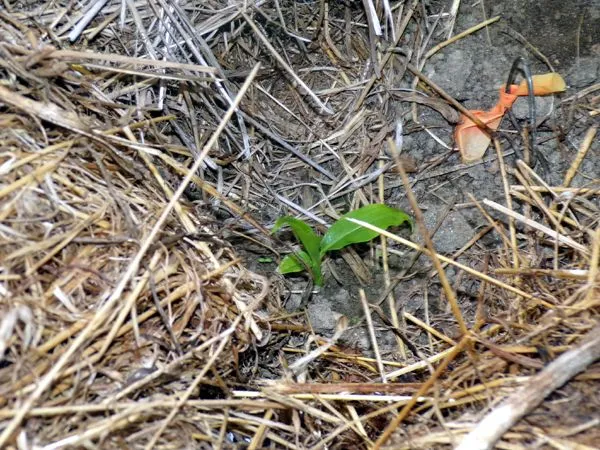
455 38
548 231
46 111
208 366
445 259
569 364
306 90
147 148
450 295
75 56
438 371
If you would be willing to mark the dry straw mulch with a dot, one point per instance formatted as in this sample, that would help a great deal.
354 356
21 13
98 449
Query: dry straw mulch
134 145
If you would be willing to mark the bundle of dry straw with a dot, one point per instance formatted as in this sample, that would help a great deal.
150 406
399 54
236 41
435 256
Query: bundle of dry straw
138 138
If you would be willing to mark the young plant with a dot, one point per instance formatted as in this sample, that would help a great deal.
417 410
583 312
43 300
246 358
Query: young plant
341 234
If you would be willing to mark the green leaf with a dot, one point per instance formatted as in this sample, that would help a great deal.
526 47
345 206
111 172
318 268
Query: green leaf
265 260
343 232
293 264
304 233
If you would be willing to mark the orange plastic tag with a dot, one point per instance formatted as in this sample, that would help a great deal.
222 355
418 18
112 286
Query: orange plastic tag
472 141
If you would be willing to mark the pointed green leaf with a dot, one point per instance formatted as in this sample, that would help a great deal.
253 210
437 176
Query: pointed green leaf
343 232
300 261
304 233
291 264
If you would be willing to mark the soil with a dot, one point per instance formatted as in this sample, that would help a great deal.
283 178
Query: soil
86 347
567 35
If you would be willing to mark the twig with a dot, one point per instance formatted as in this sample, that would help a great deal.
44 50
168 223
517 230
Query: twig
526 399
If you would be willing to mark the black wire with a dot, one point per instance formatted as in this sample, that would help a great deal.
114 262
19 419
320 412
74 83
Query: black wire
520 65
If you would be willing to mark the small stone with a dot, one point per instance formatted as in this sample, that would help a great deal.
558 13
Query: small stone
543 107
454 232
449 72
321 316
584 72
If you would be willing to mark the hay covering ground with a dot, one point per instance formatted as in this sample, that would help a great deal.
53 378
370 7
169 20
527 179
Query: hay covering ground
139 147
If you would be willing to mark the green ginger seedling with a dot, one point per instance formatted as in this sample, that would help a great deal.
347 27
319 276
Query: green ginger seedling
342 233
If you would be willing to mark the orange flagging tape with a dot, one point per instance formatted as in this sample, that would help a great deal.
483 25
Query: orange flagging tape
472 141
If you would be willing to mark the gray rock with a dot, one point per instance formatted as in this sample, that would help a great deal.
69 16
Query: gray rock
584 72
450 71
454 232
321 315
543 107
